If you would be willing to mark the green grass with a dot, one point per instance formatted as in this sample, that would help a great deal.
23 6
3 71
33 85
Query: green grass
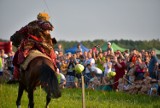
71 98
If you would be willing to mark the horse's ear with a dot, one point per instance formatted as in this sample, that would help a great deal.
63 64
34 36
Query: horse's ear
54 41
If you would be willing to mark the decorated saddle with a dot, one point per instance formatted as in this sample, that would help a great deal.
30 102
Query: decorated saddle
32 55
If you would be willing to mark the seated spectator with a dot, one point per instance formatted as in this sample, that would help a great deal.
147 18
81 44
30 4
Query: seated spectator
93 69
61 79
94 83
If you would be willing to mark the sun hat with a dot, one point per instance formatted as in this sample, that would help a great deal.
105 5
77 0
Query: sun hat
109 43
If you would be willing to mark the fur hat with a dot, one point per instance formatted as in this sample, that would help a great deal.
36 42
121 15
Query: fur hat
43 16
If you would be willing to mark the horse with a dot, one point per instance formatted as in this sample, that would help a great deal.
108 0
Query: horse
39 71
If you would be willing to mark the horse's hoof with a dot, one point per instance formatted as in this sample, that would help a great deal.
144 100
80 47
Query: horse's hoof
19 106
47 107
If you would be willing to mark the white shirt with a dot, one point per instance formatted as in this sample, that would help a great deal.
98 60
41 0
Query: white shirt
96 70
62 77
107 69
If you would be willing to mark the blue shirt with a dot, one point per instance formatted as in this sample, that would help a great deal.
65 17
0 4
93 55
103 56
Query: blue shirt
152 63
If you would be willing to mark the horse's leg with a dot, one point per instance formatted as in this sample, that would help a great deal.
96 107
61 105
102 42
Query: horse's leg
48 99
30 97
20 93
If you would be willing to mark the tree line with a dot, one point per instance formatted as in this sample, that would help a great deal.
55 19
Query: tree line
128 44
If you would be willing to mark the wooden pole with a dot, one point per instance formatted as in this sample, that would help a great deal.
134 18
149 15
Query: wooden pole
83 92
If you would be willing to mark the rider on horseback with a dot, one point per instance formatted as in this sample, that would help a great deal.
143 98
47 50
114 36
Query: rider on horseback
35 35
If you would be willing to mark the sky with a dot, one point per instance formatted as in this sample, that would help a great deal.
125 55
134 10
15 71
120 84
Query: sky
80 20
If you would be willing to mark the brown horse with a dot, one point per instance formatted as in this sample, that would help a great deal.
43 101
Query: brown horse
40 71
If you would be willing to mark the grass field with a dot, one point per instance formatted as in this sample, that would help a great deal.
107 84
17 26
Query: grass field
71 98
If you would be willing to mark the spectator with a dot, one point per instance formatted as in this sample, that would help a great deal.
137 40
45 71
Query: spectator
158 70
1 64
79 49
85 54
70 76
120 68
107 66
95 70
60 48
140 68
100 62
89 61
153 65
9 63
109 48
61 79
94 83
68 56
133 56
63 67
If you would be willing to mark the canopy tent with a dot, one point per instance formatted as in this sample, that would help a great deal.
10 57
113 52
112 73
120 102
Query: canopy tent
157 51
7 46
114 46
74 49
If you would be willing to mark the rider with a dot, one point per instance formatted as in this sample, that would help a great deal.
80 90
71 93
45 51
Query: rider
36 35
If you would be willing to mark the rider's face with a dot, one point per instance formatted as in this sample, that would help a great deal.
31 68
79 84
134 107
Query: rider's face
47 31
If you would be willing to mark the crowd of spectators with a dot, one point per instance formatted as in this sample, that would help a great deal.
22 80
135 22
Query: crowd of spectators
6 65
136 71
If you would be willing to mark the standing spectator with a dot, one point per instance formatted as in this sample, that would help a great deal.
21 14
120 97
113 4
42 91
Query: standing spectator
158 71
1 65
133 56
9 63
107 66
153 65
63 67
110 48
94 49
68 56
85 54
89 61
79 49
3 56
70 73
100 61
143 54
60 48
120 68
140 68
